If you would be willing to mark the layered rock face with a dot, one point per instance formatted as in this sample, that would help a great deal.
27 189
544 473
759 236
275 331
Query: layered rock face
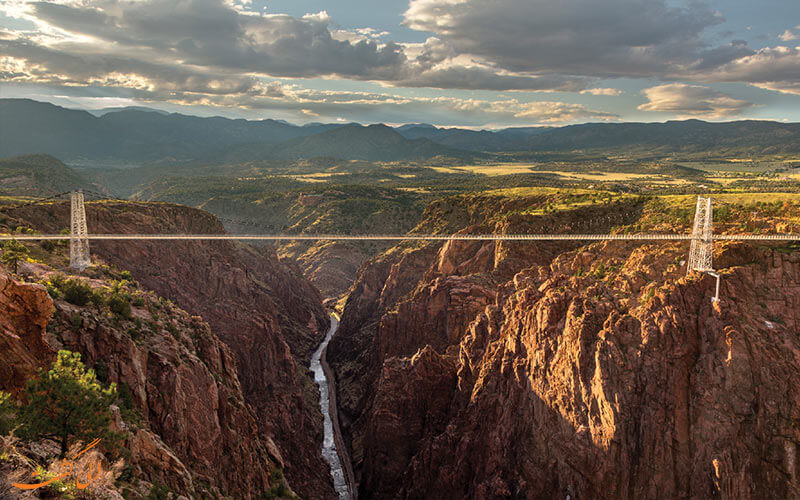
264 311
24 312
183 380
191 429
330 266
506 371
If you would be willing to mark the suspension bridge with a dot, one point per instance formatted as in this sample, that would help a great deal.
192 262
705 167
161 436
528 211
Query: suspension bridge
700 252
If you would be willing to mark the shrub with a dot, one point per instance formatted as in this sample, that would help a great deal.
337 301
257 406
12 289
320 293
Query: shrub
127 406
173 330
6 413
48 245
74 291
97 298
101 371
158 492
119 305
136 333
600 271
77 292
75 321
278 488
53 291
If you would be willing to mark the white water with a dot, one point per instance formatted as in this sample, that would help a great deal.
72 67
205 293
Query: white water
328 443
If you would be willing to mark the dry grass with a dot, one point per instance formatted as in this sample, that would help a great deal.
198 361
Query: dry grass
732 198
603 176
490 170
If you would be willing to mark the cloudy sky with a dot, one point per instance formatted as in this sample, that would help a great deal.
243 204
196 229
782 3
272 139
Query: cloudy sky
475 63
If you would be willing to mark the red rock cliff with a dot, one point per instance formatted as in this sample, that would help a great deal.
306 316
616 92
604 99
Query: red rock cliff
499 371
24 312
194 445
268 316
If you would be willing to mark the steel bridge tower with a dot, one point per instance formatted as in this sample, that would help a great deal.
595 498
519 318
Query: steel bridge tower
79 235
702 247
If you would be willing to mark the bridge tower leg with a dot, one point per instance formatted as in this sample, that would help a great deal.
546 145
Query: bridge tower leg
702 247
79 235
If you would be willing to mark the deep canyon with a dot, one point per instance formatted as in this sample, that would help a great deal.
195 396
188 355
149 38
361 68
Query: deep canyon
462 370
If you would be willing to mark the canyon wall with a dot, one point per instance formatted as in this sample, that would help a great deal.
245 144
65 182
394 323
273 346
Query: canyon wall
194 445
269 317
518 370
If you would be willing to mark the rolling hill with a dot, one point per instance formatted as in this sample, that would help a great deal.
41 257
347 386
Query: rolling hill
37 175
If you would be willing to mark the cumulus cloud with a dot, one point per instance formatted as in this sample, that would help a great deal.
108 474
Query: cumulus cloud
331 103
484 78
789 35
602 91
580 40
613 38
773 68
224 52
692 101
211 38
210 33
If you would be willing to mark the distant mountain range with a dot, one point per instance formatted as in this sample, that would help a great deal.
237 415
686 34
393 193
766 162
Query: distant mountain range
749 136
140 135
511 139
133 135
350 142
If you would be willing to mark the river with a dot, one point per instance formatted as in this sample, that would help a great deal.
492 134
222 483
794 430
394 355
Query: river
329 443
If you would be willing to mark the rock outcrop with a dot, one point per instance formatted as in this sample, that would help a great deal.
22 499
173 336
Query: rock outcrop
183 382
266 313
600 371
162 359
24 312
330 266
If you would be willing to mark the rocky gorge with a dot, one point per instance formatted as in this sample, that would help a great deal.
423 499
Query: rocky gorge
497 370
266 321
468 369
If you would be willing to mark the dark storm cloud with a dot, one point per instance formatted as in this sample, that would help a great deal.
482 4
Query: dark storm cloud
718 56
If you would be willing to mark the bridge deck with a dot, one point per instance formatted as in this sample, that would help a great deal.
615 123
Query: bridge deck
403 237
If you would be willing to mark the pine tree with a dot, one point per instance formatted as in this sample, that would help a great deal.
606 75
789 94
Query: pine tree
13 252
6 413
67 403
